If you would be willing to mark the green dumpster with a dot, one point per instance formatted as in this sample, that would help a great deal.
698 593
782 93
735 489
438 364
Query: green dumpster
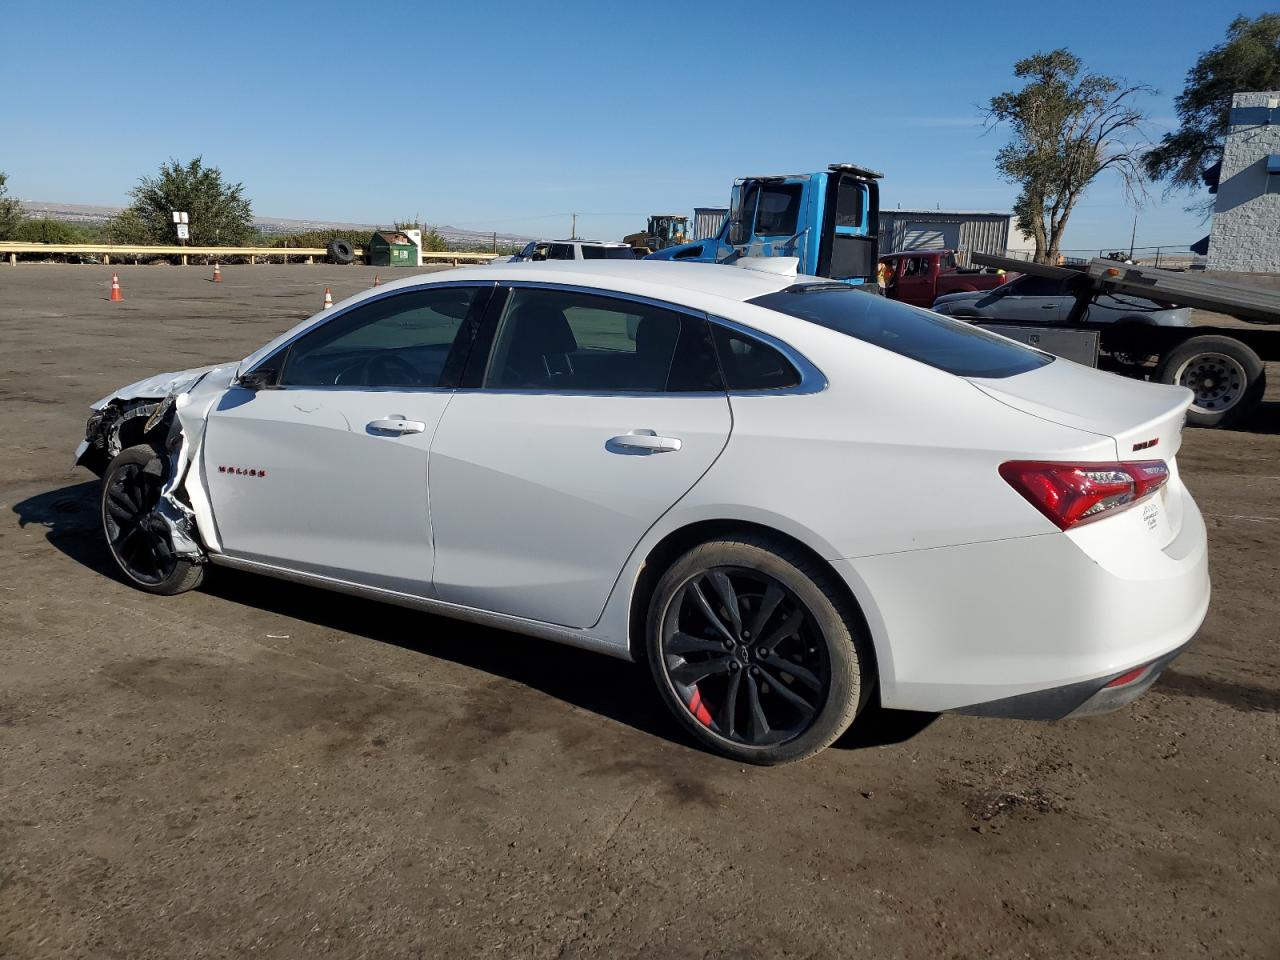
389 248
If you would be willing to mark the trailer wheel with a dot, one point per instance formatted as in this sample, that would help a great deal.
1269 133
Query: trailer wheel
341 251
1227 378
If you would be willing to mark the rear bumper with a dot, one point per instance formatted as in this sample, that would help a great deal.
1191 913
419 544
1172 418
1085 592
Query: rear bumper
1085 699
1033 626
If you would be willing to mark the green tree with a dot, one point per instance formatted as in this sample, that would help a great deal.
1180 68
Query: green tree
432 242
128 227
219 211
10 211
1249 59
43 230
1066 128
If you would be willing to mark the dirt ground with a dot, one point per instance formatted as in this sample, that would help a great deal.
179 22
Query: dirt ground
264 769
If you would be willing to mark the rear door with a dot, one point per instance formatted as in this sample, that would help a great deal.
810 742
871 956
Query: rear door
582 421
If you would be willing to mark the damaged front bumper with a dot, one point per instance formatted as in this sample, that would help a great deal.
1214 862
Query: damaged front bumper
168 413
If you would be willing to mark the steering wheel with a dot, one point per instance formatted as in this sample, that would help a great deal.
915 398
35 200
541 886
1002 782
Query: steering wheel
379 369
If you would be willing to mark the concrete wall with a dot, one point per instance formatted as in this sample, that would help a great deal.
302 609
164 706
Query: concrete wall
1246 214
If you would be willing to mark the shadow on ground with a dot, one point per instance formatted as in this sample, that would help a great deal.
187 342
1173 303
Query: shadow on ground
1266 419
613 688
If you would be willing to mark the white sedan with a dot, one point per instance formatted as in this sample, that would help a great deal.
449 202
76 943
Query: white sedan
785 494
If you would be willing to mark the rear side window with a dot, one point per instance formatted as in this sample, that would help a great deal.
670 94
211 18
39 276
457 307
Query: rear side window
562 341
921 335
1029 286
750 364
590 252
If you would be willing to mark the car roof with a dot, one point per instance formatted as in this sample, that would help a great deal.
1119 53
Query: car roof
594 243
712 279
663 280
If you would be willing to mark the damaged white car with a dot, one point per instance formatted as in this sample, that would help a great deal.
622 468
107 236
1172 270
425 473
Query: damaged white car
784 494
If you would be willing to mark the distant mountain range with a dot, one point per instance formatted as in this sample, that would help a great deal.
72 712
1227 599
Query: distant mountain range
89 213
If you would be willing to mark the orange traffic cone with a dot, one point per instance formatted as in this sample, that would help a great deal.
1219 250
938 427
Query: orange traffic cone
328 298
115 288
217 273
376 281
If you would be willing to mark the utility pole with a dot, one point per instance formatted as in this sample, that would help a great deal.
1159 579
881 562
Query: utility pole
1133 236
573 228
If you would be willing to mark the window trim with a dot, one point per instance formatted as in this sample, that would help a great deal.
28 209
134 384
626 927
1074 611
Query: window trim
482 345
812 379
786 184
471 326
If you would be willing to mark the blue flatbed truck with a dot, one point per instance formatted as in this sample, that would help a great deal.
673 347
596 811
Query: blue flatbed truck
829 220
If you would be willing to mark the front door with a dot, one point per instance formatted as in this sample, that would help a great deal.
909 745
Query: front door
586 421
326 472
1028 300
916 282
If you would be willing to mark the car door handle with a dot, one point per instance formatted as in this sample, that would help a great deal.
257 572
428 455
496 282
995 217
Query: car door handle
644 441
397 425
1048 306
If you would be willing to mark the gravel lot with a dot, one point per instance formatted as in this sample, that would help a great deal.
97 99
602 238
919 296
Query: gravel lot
263 768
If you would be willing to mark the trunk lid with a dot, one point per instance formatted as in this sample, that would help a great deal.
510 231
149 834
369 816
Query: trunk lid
1144 419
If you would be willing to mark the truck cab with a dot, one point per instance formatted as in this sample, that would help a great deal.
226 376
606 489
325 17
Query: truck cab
829 220
919 277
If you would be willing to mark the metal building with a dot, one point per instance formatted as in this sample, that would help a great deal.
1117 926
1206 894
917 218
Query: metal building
970 231
707 221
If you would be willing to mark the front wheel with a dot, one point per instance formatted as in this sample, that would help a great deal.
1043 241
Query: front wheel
756 652
1227 378
136 535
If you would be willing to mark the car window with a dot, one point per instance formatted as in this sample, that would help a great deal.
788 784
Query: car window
751 364
1029 286
560 251
563 341
921 335
591 251
779 209
396 341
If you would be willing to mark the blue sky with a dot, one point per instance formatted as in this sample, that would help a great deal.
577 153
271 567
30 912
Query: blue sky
509 116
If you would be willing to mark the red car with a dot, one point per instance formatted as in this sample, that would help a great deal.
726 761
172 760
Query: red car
919 277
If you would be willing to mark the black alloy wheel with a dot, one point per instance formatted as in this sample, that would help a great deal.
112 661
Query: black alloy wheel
746 656
757 651
137 535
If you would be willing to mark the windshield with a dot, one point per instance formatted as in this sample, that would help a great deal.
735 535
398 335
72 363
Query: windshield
921 335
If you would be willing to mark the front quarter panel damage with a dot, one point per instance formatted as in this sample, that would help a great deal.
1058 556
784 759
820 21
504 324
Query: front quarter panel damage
169 412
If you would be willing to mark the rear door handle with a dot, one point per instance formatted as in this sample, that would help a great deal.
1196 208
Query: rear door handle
644 441
397 425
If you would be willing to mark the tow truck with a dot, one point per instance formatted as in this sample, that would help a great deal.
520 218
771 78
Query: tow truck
1223 366
829 221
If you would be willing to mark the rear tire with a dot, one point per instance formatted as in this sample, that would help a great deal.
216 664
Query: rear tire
137 538
756 651
1227 378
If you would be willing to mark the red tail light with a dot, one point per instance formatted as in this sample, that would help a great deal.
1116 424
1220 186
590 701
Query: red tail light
1070 494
